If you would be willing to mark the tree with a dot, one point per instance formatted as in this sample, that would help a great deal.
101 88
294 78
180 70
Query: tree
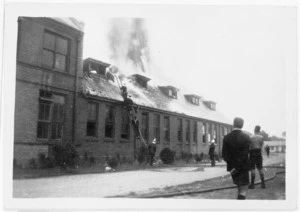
265 135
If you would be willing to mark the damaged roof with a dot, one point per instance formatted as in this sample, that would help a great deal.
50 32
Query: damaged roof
152 96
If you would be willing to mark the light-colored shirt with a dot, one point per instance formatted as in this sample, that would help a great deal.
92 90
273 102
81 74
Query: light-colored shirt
257 142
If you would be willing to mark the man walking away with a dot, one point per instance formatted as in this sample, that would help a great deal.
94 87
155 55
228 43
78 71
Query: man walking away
268 150
256 159
235 152
211 153
151 151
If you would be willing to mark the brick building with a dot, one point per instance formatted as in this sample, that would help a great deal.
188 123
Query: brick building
61 98
49 65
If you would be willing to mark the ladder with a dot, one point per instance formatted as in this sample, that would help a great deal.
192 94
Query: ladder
133 110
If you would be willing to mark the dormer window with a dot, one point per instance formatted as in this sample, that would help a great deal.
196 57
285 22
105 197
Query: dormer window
141 80
194 99
171 94
210 104
169 91
98 68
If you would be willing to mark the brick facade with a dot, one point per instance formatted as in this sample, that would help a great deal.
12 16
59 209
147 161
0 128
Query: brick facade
32 77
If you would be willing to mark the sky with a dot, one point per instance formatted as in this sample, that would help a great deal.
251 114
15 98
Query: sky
237 56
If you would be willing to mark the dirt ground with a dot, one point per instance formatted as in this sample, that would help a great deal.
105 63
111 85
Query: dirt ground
121 183
275 191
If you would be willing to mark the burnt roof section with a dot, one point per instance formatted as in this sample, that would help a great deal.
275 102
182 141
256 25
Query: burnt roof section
96 61
141 77
151 97
100 67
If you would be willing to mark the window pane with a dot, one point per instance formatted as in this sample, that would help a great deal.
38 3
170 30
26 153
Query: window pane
109 121
61 45
56 131
179 129
60 62
166 128
195 132
49 41
55 113
48 58
109 130
156 127
91 128
125 128
187 131
43 129
44 111
144 127
109 113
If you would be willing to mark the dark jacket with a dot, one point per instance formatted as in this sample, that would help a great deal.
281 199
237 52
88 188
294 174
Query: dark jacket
236 148
151 149
211 149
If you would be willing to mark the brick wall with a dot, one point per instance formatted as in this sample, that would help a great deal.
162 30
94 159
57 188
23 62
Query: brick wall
30 41
32 151
100 147
31 77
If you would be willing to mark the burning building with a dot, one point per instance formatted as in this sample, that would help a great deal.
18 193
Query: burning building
60 98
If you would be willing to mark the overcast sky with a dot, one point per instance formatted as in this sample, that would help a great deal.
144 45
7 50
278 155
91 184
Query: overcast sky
235 55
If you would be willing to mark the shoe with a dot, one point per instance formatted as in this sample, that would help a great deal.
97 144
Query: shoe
263 185
251 186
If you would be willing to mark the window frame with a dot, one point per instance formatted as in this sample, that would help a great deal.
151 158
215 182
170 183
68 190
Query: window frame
145 126
127 124
204 129
110 122
55 52
166 129
179 130
156 127
195 128
92 120
187 131
51 121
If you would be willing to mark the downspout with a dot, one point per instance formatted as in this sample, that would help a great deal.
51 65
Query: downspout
78 60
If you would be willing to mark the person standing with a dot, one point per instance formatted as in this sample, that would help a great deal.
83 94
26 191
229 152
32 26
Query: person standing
235 152
267 150
256 160
151 151
211 153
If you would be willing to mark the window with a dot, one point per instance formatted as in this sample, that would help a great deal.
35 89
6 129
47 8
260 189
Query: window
195 132
215 132
156 127
51 116
166 128
179 130
109 121
125 124
204 133
208 132
195 100
55 51
91 120
144 127
187 131
172 93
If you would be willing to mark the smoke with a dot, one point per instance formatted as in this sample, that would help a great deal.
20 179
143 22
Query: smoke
128 41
